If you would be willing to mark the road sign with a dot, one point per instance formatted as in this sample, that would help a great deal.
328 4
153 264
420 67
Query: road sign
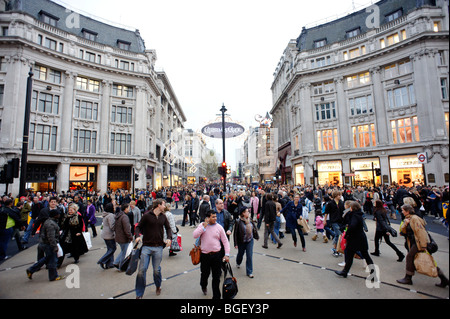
423 158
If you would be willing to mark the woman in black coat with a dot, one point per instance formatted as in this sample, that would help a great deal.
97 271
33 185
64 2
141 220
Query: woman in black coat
72 239
356 239
382 230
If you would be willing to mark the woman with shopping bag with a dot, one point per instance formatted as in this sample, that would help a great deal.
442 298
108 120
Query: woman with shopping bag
72 239
413 228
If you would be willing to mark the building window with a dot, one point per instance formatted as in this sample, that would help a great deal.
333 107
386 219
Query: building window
353 33
46 74
323 88
358 79
84 141
364 136
48 18
327 140
86 110
361 105
121 114
120 144
123 45
49 43
405 130
444 88
325 111
42 137
2 92
88 84
44 102
320 43
400 97
89 35
123 91
436 26
447 123
394 15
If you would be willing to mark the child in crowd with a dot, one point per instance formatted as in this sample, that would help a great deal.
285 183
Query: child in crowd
320 226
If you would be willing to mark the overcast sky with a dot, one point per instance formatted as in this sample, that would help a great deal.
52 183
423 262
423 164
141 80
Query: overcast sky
218 52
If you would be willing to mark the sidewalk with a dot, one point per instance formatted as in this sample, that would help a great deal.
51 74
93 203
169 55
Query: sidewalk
286 273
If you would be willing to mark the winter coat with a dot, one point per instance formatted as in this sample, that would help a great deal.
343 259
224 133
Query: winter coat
382 220
108 225
73 244
122 228
355 235
292 213
90 212
415 232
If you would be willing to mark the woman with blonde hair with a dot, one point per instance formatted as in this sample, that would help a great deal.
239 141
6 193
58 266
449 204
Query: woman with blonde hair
72 239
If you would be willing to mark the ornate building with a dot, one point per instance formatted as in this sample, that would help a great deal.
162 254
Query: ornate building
357 99
100 114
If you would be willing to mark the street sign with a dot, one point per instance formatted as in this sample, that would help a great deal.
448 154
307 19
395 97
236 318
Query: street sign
423 158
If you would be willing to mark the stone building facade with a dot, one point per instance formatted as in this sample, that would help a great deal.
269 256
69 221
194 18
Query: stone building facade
365 94
100 113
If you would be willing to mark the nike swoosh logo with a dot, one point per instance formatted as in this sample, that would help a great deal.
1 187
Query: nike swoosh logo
78 175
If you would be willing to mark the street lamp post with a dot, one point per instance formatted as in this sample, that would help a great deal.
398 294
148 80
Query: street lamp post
223 110
26 130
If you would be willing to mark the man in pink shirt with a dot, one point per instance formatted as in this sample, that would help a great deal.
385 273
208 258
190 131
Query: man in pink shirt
212 235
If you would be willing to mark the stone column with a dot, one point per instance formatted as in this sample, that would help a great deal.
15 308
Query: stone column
341 109
379 106
104 117
67 113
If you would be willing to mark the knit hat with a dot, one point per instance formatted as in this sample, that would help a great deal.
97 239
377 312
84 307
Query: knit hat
53 213
243 208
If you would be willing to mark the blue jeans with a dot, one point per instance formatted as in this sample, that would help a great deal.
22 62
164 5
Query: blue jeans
336 227
50 259
141 278
122 254
27 233
246 248
5 236
108 257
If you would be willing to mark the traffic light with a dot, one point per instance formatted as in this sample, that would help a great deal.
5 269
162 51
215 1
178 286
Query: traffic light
378 171
136 177
229 170
224 165
220 170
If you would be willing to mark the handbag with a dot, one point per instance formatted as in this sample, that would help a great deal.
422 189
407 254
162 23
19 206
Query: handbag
305 227
425 264
229 287
392 231
134 260
432 246
196 252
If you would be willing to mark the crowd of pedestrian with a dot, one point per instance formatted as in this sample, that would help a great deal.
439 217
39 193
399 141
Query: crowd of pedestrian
217 215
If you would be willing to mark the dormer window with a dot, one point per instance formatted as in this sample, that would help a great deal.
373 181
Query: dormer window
123 45
48 18
320 43
353 33
394 15
89 35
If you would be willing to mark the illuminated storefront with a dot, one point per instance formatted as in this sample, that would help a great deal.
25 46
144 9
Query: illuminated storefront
82 177
330 172
299 174
363 168
406 170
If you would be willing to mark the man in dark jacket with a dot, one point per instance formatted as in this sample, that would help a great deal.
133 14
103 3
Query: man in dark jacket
48 242
334 210
8 219
152 227
270 215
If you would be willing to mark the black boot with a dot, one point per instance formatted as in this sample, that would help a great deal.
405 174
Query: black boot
342 273
401 256
444 280
406 281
